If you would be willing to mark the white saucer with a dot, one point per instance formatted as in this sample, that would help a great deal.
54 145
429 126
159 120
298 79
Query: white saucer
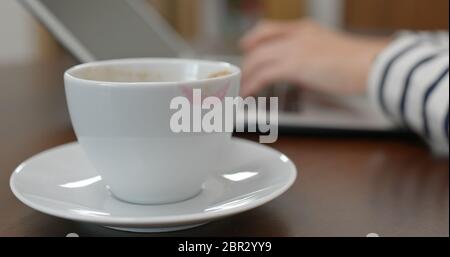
61 182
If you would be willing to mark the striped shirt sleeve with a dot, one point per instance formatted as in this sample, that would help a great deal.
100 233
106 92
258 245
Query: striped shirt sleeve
409 82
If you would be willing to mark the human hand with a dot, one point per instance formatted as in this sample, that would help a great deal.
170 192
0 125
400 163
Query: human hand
308 55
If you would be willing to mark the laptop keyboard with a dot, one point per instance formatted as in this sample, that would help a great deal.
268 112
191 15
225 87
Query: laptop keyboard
288 97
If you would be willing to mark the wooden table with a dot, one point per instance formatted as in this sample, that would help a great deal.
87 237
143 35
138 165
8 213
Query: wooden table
347 186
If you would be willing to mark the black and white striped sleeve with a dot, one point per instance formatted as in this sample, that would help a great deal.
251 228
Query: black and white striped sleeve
409 82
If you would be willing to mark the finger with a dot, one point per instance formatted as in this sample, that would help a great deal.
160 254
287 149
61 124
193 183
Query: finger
265 77
266 54
264 31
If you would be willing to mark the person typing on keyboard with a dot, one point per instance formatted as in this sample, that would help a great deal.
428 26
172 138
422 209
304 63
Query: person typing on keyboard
405 75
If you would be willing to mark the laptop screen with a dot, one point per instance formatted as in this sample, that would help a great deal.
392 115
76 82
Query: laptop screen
108 29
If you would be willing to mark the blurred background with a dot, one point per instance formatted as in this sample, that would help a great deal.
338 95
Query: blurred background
214 26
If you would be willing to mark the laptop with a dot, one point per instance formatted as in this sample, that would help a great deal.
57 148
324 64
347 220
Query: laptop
109 29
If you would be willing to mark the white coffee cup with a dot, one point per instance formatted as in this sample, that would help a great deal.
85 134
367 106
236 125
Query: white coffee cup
121 116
